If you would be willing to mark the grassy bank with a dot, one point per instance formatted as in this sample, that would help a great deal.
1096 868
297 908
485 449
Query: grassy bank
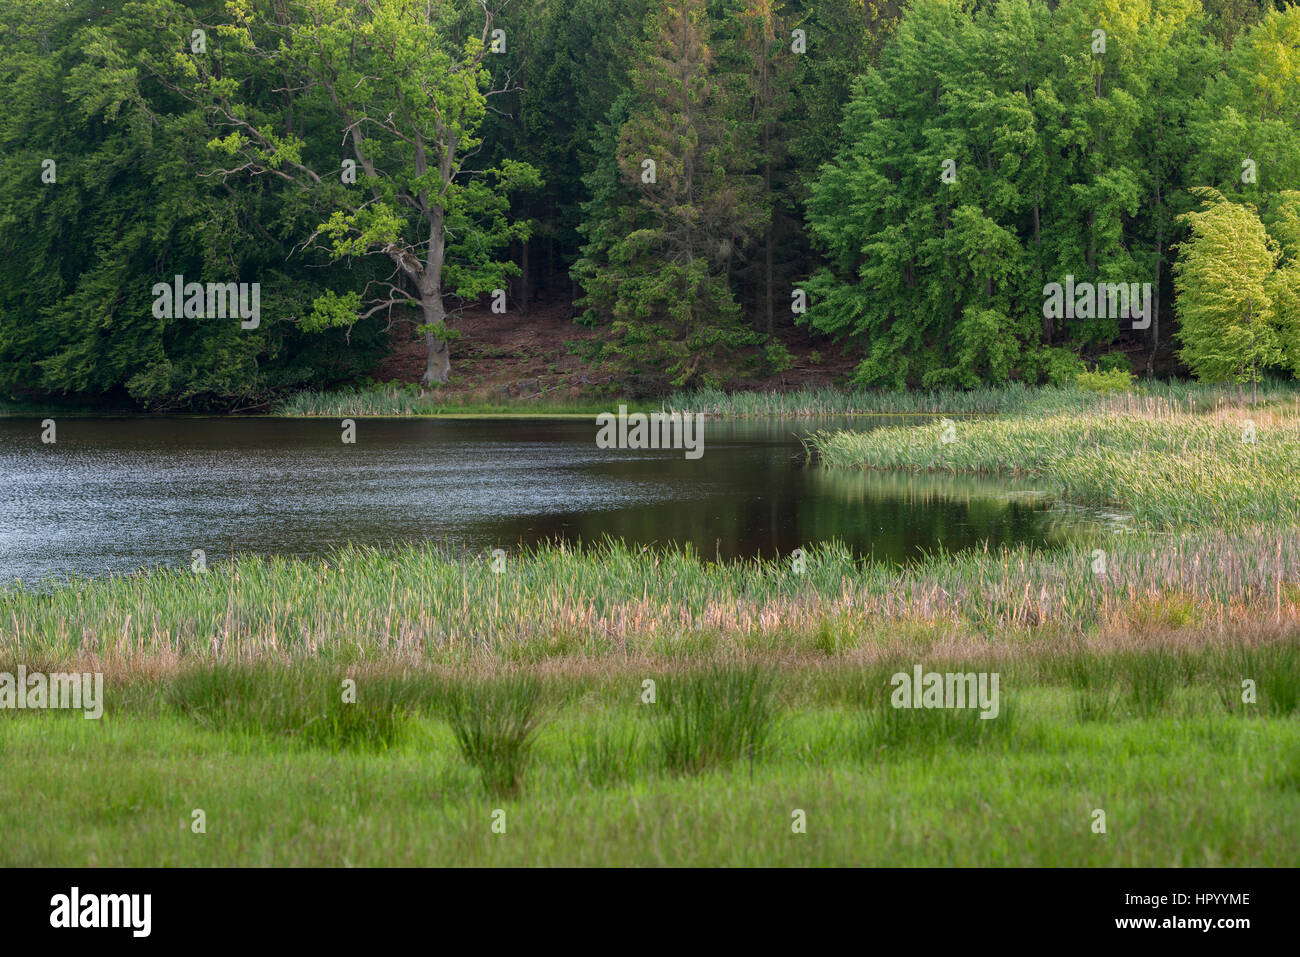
421 603
1148 398
581 770
523 692
1015 398
392 399
1232 466
408 400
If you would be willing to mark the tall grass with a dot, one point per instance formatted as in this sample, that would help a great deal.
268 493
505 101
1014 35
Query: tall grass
495 722
1014 398
498 700
1152 679
426 603
1092 677
419 803
889 729
306 706
713 717
609 756
1274 670
1181 471
394 400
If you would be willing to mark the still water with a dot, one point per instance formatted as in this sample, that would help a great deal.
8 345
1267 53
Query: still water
120 494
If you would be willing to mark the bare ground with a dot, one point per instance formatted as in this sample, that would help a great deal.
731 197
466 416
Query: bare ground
530 356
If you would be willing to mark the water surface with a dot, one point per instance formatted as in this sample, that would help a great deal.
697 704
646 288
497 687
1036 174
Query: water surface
120 494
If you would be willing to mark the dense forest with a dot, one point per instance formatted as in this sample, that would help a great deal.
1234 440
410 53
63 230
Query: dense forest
706 184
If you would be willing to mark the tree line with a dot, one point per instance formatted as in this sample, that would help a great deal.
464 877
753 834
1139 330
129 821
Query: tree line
707 182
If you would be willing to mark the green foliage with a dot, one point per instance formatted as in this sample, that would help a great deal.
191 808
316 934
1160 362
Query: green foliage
988 153
92 89
1057 367
1248 111
404 87
1111 380
1111 362
777 358
670 209
921 170
1225 296
331 310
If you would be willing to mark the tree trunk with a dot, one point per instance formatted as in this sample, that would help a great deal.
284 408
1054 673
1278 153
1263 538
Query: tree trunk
430 283
523 279
439 365
768 265
1155 305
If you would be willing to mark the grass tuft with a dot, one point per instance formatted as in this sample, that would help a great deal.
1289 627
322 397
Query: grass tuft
495 722
304 704
712 717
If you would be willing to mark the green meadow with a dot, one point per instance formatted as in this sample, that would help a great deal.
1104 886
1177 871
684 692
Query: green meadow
579 770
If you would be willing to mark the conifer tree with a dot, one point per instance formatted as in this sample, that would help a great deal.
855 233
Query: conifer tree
670 209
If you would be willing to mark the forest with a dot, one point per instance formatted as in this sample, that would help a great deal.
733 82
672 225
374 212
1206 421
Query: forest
710 187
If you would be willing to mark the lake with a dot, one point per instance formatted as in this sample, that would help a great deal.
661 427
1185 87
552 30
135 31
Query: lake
120 494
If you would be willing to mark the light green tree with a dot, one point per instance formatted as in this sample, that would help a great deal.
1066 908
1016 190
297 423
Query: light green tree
1225 284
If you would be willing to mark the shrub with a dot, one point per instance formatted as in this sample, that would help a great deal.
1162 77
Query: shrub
776 357
1114 380
1057 367
1112 362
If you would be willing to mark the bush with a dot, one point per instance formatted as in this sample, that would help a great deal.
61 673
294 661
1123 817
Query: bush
1115 380
776 357
1113 361
1057 367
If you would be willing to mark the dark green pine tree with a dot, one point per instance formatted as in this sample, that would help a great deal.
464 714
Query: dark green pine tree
671 206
